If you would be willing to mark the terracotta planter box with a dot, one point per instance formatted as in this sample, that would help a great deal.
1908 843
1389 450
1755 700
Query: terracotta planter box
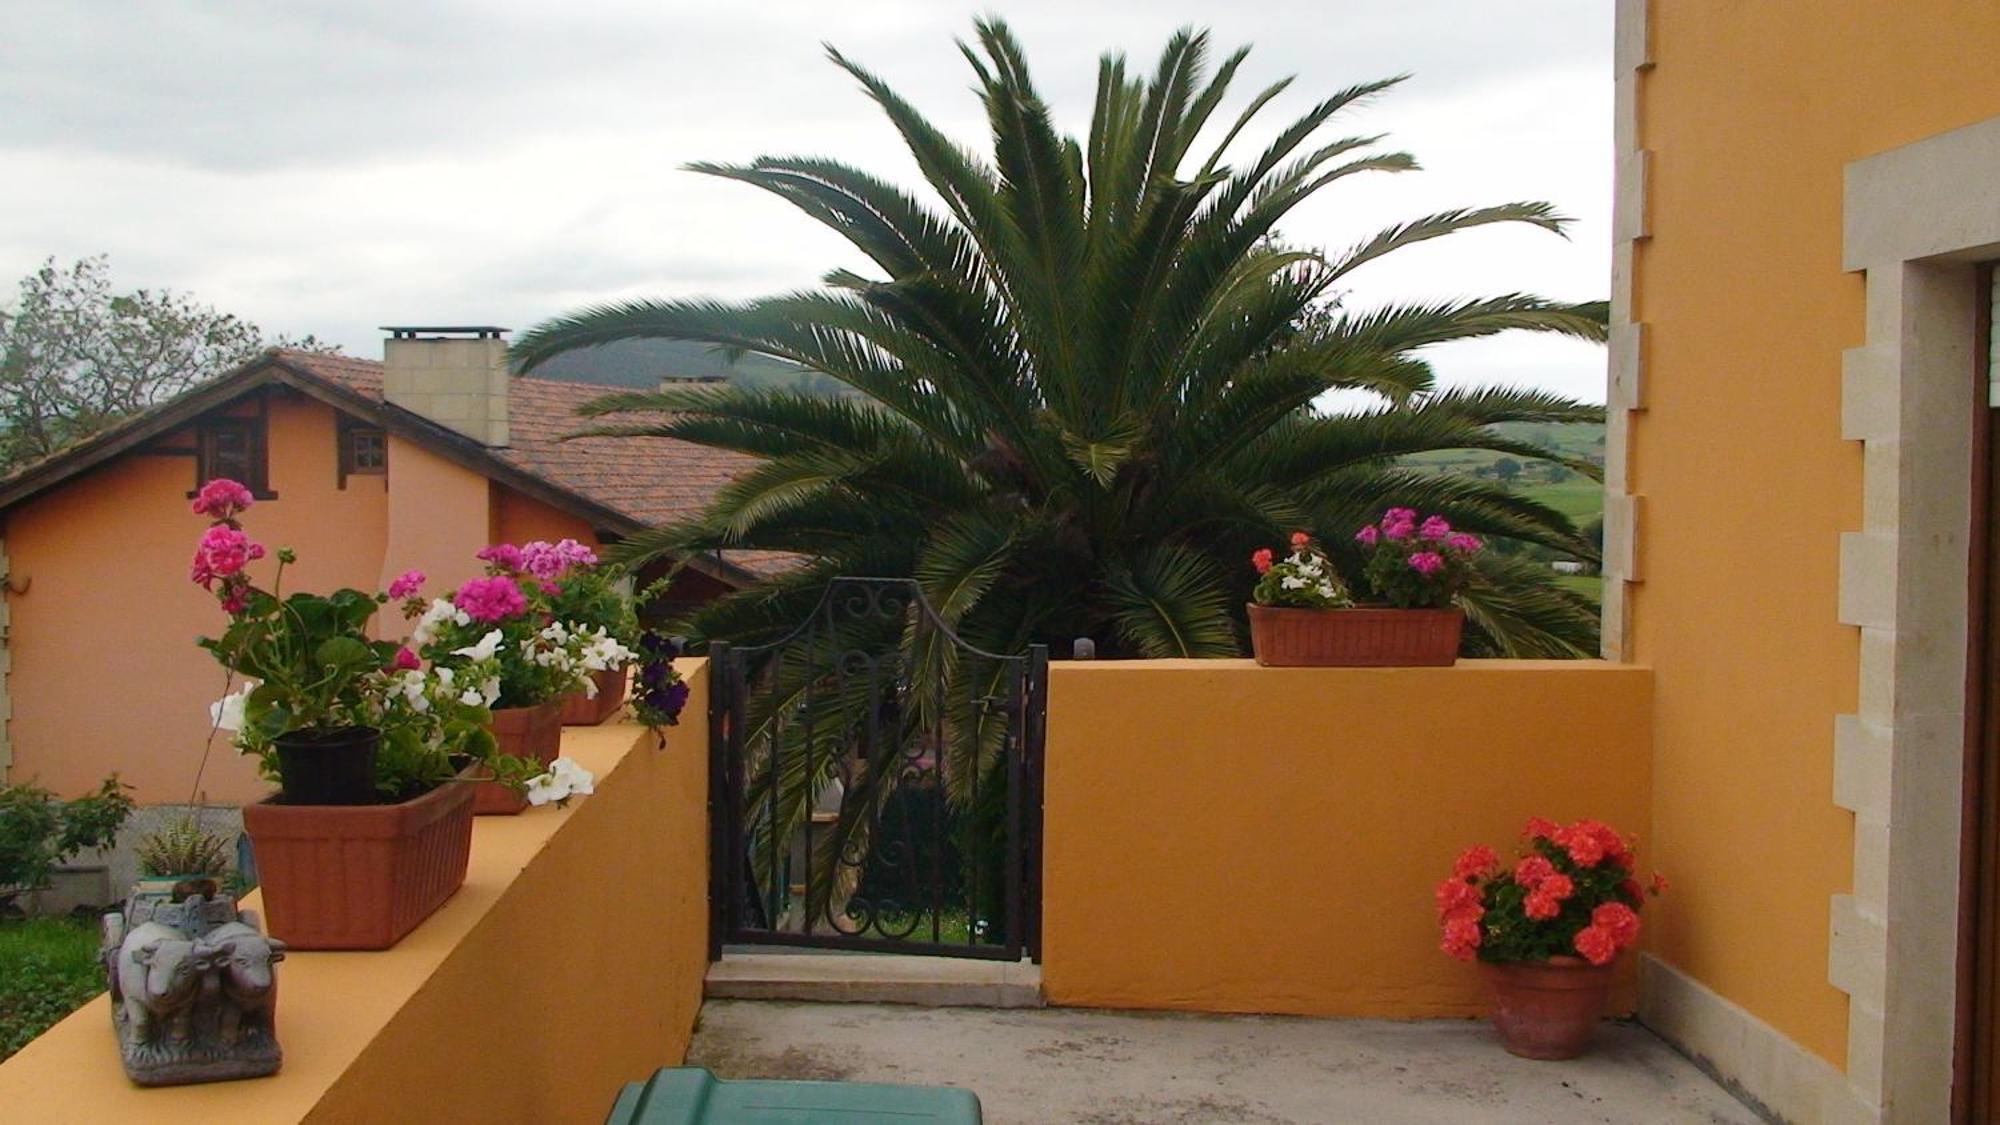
526 732
359 876
579 711
1362 637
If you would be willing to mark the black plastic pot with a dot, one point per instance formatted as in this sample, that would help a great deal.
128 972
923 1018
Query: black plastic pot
335 767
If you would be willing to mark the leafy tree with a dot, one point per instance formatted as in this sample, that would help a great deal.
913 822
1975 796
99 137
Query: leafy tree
77 356
1089 381
1507 469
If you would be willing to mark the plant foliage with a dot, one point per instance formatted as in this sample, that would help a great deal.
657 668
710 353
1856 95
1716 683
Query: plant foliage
1086 373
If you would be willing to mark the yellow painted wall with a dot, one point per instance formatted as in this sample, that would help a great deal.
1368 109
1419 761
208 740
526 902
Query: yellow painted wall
1751 112
570 963
1225 837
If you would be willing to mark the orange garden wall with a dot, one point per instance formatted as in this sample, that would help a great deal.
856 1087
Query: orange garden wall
1225 837
570 963
105 674
1750 113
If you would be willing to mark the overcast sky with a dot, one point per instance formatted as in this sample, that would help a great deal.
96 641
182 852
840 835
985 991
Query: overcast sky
329 167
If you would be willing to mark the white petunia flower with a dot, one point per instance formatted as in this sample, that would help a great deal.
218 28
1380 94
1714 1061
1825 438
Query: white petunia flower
470 697
581 781
1290 582
564 780
227 713
547 788
486 648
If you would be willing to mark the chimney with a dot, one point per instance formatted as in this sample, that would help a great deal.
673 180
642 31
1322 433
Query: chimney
456 377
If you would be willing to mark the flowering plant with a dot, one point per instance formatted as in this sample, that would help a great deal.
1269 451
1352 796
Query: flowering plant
309 667
308 655
1572 892
1304 579
1417 564
661 691
510 616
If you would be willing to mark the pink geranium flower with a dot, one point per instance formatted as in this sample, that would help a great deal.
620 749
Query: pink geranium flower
1427 563
550 561
221 499
1460 541
1435 528
503 556
1368 536
222 552
406 661
491 599
406 584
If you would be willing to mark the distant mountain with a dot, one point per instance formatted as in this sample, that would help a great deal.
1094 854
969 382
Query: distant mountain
644 363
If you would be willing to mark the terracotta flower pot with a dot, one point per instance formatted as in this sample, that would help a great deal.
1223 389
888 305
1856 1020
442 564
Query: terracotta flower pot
579 711
1369 636
359 876
1547 1009
524 732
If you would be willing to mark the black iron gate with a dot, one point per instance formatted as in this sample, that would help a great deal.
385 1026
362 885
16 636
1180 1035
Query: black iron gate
875 783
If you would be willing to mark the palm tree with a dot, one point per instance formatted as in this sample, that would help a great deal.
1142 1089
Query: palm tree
1086 377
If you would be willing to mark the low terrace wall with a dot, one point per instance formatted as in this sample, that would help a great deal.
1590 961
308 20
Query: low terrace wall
570 963
1224 837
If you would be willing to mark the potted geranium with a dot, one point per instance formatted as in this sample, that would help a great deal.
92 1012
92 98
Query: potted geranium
368 834
508 618
593 598
1417 567
1546 931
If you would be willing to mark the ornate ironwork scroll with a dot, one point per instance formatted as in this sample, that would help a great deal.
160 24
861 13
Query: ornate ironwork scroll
876 783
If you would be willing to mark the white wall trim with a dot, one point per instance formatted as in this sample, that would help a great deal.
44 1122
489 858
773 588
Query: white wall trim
1625 382
1757 1061
1915 222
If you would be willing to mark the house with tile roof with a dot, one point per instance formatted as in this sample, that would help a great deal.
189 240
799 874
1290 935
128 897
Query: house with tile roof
366 469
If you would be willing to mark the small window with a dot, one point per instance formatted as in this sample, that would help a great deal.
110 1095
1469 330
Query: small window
233 448
364 451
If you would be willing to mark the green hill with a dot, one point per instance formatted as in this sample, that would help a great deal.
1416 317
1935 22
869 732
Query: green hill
644 363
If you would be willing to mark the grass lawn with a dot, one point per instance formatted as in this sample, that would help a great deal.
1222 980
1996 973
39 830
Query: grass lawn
1579 498
48 969
1589 585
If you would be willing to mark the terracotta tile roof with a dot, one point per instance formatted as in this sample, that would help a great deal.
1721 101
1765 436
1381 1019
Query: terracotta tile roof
650 480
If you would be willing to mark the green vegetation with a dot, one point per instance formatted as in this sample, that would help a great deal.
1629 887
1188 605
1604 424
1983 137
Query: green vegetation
48 969
1084 386
39 831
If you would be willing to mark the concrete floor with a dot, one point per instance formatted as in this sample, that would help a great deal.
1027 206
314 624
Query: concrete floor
1120 1068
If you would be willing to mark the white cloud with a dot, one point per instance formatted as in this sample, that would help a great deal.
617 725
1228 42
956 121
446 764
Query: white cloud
330 167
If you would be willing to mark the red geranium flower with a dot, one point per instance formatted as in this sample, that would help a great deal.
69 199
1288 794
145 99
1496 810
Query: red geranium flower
1596 944
1475 861
1261 559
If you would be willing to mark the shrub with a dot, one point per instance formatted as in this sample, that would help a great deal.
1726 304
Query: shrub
39 831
